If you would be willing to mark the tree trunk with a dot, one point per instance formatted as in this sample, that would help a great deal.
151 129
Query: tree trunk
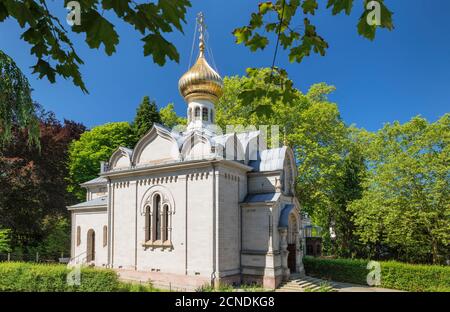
435 251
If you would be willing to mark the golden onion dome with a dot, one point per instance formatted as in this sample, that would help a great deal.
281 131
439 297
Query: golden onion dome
201 82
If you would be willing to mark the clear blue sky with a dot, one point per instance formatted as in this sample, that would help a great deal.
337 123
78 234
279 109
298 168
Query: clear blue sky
401 74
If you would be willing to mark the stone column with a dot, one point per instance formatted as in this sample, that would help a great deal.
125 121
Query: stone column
284 253
299 254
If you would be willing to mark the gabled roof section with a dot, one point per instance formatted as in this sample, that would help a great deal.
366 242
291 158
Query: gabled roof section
94 182
99 202
261 198
120 152
156 130
284 216
270 160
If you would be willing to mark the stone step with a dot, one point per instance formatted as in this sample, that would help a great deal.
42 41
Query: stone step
307 283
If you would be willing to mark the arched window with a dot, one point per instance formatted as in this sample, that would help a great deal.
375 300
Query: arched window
197 113
90 246
205 114
157 217
105 236
165 223
158 231
211 118
292 230
78 236
189 114
148 228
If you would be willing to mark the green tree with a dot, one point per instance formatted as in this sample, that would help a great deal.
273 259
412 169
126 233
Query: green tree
94 146
54 50
311 125
16 105
146 114
5 240
57 240
278 17
406 202
169 117
348 188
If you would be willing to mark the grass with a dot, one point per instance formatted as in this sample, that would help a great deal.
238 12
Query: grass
137 287
230 288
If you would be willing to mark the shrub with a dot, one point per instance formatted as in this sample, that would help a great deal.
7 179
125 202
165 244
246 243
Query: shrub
137 287
414 277
19 276
395 275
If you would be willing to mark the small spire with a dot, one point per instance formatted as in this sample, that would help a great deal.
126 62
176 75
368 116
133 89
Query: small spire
201 30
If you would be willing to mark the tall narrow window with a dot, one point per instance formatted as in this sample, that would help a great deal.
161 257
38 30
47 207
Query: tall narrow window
211 118
90 246
197 113
165 222
205 114
189 114
105 236
78 236
148 227
157 217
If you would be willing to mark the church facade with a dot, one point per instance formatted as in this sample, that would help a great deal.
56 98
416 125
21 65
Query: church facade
193 207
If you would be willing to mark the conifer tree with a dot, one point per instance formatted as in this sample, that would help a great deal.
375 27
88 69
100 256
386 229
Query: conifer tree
146 114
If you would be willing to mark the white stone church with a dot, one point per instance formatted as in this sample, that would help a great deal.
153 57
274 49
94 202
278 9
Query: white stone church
194 207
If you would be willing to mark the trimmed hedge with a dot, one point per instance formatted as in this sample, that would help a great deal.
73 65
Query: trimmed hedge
395 275
20 276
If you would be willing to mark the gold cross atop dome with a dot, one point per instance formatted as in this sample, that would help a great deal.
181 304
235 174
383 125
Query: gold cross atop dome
201 82
201 31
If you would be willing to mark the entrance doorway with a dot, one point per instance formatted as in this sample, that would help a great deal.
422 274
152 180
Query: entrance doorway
291 258
90 250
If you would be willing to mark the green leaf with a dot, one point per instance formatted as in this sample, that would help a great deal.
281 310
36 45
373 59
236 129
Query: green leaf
340 5
159 48
98 31
3 12
44 69
174 12
121 7
310 6
256 20
264 7
257 42
369 31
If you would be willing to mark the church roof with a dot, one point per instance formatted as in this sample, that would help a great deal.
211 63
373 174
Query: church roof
270 160
284 216
261 198
98 202
96 181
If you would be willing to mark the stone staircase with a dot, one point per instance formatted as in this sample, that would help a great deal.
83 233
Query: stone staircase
297 283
